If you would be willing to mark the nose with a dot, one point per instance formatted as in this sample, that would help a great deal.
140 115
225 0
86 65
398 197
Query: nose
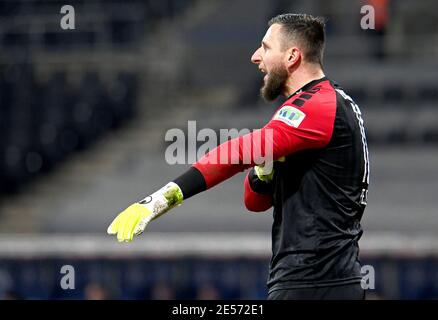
256 57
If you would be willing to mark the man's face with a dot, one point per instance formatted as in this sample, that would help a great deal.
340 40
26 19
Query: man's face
270 60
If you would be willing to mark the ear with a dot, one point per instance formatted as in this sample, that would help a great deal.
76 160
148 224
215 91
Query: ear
293 56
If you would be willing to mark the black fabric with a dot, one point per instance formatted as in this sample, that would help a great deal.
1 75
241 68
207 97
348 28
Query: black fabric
307 86
319 198
341 292
191 182
258 185
299 102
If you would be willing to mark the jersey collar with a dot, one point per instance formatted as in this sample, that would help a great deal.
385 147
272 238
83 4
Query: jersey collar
307 86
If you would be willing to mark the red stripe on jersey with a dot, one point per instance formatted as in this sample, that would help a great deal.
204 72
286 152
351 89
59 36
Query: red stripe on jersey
279 136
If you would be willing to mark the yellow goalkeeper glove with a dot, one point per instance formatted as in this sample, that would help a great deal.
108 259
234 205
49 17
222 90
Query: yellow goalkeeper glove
133 220
266 174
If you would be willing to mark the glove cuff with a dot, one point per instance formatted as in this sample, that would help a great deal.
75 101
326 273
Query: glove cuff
163 200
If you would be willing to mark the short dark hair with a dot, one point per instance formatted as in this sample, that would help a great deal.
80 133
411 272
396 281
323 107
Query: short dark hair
306 30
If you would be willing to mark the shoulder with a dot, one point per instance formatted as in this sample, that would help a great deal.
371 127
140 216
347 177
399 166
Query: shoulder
322 92
313 102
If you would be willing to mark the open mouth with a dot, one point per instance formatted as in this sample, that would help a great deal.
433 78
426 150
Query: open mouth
265 73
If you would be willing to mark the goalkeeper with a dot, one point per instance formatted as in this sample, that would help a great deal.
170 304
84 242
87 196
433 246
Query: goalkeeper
318 187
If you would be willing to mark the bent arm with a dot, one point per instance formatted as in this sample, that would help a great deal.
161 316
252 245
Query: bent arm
257 194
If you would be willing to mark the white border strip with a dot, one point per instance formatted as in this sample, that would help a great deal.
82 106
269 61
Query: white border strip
152 245
204 245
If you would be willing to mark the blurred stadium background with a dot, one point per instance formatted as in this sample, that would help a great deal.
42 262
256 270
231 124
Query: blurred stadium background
84 112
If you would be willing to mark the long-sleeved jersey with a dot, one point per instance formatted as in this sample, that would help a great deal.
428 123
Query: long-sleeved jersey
318 193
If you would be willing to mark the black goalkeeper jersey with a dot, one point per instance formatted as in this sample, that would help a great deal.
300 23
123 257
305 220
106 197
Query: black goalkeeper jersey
319 196
319 192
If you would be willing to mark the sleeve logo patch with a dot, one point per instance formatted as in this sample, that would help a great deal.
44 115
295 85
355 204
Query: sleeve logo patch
290 115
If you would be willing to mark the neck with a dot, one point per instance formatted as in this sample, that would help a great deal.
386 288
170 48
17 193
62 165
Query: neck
300 78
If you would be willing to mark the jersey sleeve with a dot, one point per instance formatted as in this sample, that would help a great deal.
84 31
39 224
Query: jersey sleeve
255 201
293 128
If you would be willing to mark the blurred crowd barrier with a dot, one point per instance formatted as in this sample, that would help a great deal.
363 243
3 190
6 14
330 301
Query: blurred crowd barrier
192 266
140 278
192 278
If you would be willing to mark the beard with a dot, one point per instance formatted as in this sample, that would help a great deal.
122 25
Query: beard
274 85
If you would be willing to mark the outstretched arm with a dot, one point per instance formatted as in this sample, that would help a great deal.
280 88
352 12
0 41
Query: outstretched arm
280 137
